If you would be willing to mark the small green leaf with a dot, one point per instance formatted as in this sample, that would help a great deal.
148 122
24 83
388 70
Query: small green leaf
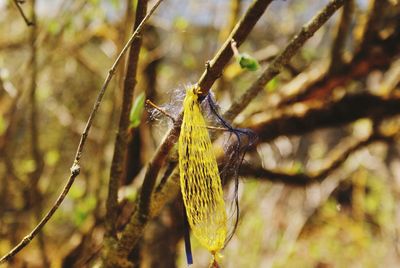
272 85
137 110
247 62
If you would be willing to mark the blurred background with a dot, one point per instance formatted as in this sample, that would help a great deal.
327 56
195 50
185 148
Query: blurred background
320 188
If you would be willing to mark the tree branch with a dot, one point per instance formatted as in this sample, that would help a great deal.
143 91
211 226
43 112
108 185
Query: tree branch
371 26
27 21
380 53
239 34
344 111
75 169
283 58
121 140
132 233
36 153
344 27
304 179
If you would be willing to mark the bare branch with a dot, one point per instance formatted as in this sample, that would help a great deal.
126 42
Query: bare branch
75 169
341 112
283 58
304 179
132 232
239 34
371 26
121 139
27 21
344 27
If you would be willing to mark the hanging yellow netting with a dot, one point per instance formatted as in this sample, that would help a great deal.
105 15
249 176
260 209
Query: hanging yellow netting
199 176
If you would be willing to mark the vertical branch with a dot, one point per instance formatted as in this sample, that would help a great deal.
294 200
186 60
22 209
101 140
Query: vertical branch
33 120
340 38
138 142
121 140
34 133
371 26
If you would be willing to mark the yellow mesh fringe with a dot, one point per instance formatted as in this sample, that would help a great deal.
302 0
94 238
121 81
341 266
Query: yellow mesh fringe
199 176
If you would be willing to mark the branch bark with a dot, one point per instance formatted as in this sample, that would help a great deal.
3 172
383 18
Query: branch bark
304 179
75 169
339 43
344 111
283 58
21 11
121 140
134 229
239 34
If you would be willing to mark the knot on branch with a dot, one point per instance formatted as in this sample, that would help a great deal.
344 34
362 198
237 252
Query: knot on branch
75 169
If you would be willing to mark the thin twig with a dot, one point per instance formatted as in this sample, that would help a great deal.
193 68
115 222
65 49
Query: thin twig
283 58
75 169
234 13
27 21
158 108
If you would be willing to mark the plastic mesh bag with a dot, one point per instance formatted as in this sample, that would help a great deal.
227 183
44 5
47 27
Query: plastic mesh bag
200 181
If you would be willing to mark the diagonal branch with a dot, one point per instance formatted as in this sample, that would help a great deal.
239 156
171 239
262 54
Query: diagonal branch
27 21
283 58
75 169
341 112
304 179
239 34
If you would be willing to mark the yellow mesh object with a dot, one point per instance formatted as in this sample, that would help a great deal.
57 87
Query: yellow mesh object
199 176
